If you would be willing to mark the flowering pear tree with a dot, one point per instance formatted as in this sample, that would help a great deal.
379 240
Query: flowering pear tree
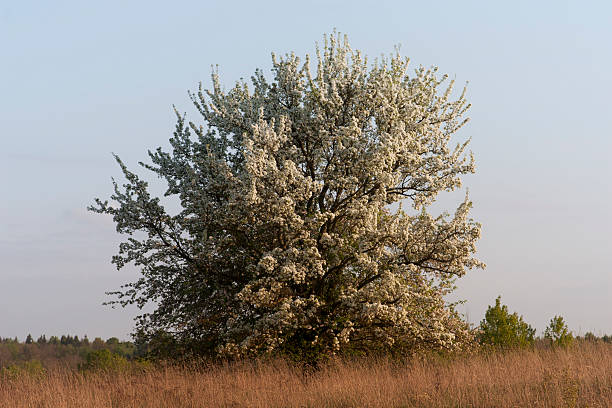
304 223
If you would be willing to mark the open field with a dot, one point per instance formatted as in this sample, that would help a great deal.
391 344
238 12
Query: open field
578 377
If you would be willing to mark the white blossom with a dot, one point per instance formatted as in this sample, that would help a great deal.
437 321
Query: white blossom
292 231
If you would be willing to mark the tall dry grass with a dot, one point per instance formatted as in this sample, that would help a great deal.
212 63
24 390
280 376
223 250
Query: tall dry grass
577 377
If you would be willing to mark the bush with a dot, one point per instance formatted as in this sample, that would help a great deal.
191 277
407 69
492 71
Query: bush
558 333
32 368
104 360
502 329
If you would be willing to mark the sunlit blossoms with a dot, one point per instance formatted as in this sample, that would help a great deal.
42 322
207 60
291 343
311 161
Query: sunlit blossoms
304 223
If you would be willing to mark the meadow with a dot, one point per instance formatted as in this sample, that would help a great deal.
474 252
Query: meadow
577 376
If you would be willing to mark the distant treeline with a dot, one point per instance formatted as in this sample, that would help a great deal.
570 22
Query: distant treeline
591 337
63 350
71 351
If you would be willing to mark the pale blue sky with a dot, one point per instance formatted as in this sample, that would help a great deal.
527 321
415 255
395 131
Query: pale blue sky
79 80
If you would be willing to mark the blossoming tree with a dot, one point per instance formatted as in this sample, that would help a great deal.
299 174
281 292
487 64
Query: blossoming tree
304 223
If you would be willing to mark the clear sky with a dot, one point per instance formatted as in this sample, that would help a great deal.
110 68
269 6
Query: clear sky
82 79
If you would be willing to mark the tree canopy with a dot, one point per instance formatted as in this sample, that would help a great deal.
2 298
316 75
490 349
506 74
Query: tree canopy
304 222
502 329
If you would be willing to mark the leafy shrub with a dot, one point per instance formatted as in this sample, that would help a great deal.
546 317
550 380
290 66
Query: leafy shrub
32 368
558 333
502 329
104 360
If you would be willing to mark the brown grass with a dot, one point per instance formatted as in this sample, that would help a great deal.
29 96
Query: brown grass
578 377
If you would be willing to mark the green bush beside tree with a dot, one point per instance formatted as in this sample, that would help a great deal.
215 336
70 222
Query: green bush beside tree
500 328
558 334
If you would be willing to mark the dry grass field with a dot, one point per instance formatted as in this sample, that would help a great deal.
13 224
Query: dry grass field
577 377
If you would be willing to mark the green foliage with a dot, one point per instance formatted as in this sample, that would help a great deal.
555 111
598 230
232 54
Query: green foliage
157 346
32 368
502 329
98 344
112 341
104 360
122 348
49 351
302 349
558 333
